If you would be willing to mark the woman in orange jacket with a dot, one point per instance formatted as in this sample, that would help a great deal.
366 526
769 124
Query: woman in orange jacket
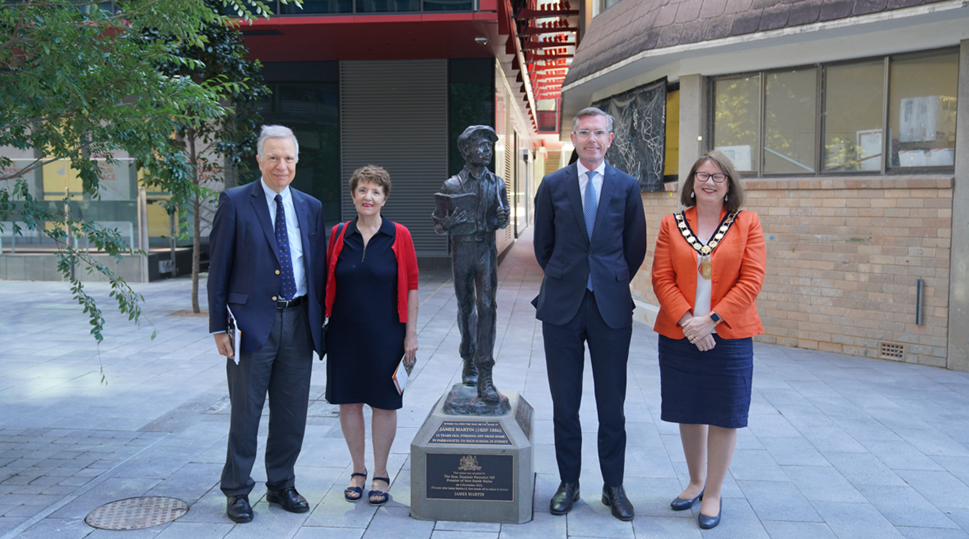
707 271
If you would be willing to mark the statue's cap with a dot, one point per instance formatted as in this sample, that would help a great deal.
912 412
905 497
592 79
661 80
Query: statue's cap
474 131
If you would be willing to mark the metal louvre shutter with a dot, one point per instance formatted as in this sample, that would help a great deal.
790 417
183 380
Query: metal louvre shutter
394 114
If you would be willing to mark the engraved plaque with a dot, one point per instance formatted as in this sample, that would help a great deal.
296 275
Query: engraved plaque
523 415
470 432
470 477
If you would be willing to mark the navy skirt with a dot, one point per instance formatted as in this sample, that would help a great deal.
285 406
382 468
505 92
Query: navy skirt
706 388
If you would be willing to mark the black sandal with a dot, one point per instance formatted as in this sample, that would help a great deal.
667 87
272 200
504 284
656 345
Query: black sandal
358 491
381 495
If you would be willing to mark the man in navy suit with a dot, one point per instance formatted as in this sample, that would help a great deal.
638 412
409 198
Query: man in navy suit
268 254
590 239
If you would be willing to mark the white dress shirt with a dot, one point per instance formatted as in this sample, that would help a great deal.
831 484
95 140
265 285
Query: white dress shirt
292 233
596 183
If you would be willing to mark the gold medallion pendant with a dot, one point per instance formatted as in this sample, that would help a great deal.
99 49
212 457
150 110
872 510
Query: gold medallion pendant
706 268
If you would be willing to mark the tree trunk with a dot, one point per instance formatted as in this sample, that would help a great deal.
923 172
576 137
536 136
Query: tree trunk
196 218
196 255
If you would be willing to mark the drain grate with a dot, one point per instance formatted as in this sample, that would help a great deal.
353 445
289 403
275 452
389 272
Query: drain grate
136 513
891 350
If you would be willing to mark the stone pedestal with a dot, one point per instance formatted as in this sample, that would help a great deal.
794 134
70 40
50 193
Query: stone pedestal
474 468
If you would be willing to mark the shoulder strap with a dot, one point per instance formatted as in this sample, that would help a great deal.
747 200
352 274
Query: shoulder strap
333 236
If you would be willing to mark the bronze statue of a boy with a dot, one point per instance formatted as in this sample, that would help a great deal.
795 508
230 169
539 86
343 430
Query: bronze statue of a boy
471 206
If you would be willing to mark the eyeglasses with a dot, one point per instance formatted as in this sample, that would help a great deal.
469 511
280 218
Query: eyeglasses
584 134
719 177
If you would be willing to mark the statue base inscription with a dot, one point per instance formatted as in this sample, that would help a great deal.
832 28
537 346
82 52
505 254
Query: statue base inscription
474 468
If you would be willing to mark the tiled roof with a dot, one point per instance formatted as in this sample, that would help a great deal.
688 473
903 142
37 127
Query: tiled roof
634 26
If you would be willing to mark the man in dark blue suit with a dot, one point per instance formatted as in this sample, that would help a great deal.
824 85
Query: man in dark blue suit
268 254
590 239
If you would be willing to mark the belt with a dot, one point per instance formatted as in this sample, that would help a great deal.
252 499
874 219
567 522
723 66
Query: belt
282 305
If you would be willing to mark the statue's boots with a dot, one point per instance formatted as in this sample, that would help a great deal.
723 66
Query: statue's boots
469 375
486 388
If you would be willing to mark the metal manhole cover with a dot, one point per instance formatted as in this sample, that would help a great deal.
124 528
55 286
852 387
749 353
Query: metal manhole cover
136 513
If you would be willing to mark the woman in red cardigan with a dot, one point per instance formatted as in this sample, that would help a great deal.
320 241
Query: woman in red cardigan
371 302
707 271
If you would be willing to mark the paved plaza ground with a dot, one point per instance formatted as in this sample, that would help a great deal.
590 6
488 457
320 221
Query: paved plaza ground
838 446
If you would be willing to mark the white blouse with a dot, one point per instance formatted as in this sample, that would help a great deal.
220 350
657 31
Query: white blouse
704 288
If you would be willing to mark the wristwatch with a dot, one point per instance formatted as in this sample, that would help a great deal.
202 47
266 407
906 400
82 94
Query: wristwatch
715 317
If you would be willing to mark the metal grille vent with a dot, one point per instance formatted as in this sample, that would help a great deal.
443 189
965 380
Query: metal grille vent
891 350
136 513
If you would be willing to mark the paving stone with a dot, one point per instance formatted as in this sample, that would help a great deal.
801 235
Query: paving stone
933 533
904 507
798 530
773 500
856 520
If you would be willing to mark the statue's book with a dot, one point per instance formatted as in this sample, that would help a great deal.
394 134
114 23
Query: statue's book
448 204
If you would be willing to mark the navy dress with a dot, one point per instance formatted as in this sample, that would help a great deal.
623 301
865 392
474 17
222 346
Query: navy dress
365 337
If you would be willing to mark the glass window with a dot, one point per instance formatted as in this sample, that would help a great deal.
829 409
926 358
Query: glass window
606 4
383 6
471 101
790 116
922 113
448 5
859 130
736 126
311 110
317 6
853 105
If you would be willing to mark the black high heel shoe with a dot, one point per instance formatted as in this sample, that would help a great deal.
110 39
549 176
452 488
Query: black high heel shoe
706 522
679 504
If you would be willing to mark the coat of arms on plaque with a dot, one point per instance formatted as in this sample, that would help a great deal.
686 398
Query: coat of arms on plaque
469 463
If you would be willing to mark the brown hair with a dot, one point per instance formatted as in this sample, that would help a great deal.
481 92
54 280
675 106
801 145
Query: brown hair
371 173
735 191
593 111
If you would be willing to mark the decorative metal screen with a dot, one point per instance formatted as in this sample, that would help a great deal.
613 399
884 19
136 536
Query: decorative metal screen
639 148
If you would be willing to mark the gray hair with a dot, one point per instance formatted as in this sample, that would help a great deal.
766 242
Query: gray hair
275 131
593 111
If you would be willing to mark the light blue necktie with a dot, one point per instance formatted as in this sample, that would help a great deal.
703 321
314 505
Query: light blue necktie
590 214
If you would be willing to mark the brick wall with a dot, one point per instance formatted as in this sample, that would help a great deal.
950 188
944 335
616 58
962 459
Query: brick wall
843 256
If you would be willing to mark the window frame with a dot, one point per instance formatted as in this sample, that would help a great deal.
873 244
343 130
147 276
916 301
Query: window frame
820 96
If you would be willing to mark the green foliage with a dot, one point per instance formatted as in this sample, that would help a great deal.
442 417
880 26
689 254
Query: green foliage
81 82
209 144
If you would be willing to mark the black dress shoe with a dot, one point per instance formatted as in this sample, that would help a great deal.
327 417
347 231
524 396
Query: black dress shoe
237 508
706 522
679 504
288 499
564 497
615 498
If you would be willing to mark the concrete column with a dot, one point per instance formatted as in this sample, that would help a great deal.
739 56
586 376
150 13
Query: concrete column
693 121
958 346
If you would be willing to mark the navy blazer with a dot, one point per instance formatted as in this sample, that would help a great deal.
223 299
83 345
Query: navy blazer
244 263
566 255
